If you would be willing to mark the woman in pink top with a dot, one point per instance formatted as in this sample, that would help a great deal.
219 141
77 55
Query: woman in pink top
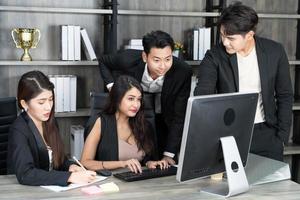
121 137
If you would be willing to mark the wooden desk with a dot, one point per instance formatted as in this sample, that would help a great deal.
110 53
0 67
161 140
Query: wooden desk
159 188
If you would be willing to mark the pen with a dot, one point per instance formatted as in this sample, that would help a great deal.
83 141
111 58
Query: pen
77 161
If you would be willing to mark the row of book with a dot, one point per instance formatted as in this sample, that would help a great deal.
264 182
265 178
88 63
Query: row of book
72 37
65 91
202 42
138 45
197 42
135 44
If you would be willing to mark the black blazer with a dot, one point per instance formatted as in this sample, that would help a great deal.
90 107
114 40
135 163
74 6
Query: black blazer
28 156
175 91
218 73
108 148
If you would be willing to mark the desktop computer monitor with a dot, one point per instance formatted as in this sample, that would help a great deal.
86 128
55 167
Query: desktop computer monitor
209 118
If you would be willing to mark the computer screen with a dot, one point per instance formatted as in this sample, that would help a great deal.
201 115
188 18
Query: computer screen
208 118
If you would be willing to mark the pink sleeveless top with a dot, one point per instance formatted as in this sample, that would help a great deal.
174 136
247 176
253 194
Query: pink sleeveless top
128 151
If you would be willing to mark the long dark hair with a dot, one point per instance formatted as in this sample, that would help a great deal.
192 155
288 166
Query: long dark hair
31 85
136 123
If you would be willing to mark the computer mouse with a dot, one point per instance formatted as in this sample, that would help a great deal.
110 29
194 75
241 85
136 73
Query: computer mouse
103 172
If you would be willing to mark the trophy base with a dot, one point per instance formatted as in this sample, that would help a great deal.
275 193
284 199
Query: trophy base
26 57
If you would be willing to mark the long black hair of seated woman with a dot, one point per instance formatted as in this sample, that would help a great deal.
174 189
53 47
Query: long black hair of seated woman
137 123
31 85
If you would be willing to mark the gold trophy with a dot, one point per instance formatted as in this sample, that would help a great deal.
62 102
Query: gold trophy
26 38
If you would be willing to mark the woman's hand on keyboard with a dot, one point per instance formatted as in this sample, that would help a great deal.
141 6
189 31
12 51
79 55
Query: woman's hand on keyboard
134 165
162 164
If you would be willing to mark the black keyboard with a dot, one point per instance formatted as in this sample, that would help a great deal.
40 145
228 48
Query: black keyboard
146 174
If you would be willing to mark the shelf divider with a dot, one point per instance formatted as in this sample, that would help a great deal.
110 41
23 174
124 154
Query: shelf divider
55 10
81 112
48 62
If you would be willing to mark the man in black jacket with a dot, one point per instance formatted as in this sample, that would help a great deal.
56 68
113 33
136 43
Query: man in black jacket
166 77
243 62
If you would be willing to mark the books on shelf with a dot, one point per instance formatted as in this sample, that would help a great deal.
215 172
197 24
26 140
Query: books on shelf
65 91
59 96
135 44
77 43
134 47
196 44
71 43
194 81
198 41
88 48
64 42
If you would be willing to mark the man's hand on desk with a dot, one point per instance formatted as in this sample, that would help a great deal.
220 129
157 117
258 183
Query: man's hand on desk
162 164
169 160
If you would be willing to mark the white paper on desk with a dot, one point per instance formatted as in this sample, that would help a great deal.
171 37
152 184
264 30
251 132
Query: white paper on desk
57 188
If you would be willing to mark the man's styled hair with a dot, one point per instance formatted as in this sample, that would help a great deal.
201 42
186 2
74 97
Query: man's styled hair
238 19
157 39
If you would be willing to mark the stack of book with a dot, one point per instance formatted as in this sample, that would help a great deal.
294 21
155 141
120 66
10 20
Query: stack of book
135 44
71 43
65 91
198 41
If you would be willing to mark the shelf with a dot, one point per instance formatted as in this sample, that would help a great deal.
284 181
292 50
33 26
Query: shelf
81 112
133 12
279 16
87 62
197 62
197 14
48 62
294 62
55 10
85 112
291 149
193 62
296 106
168 13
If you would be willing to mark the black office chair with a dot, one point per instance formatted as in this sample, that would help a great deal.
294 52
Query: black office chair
98 102
149 109
8 114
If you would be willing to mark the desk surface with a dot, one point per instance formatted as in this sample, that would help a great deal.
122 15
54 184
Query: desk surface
159 188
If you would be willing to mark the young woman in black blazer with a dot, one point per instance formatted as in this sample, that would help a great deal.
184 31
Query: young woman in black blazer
35 149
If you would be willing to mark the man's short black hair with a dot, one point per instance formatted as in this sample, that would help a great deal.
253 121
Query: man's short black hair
157 39
238 19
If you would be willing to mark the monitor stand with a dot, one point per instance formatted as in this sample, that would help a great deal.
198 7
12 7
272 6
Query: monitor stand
236 177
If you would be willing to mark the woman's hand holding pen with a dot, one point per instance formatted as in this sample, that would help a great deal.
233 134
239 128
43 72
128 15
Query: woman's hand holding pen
75 168
84 176
80 174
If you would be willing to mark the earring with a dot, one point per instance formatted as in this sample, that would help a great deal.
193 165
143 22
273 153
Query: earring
25 109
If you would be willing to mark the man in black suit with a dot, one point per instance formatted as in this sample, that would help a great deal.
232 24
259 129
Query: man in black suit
244 62
166 77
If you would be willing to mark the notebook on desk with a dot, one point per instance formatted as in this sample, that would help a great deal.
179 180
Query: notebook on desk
57 188
260 170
